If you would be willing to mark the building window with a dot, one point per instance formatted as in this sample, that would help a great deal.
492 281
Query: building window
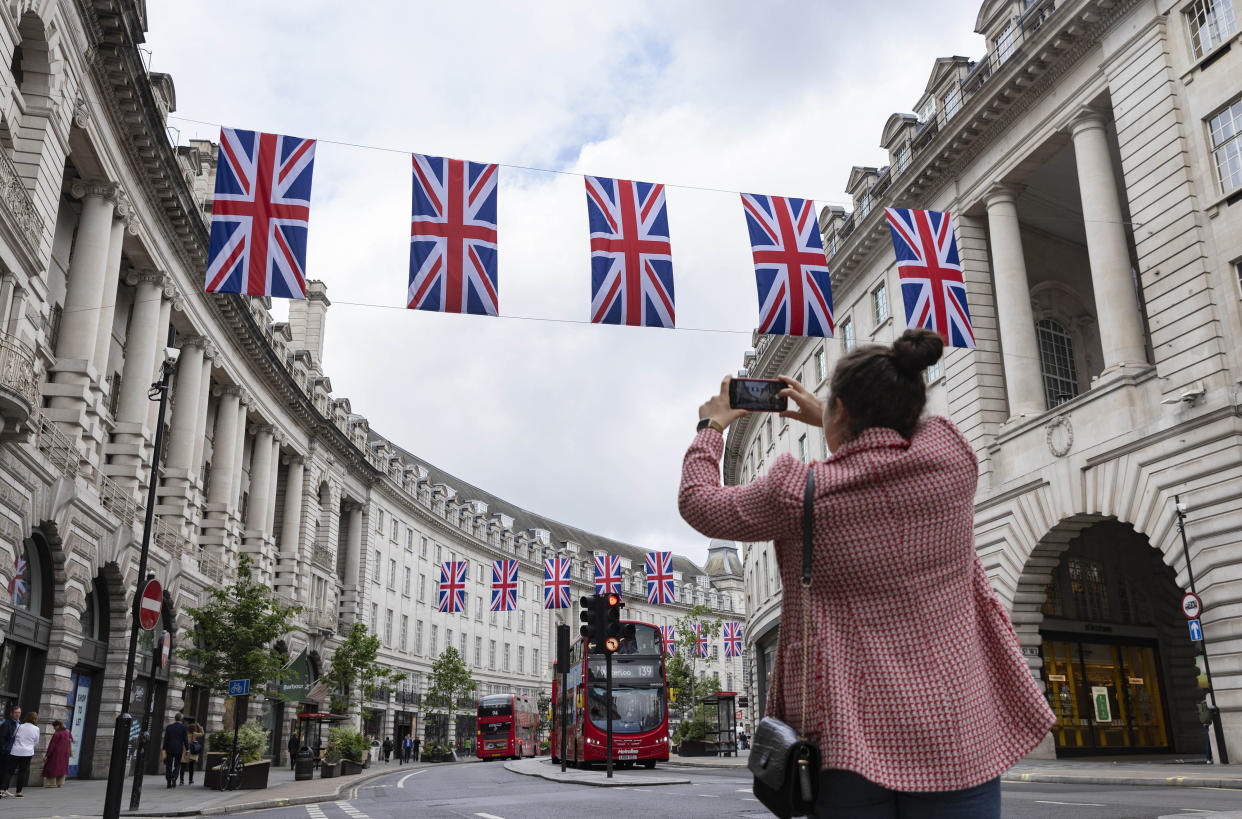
928 112
478 573
422 548
534 661
491 654
821 365
437 553
448 638
434 639
418 637
1237 270
1006 43
508 619
375 567
461 643
396 530
478 607
802 447
1223 130
901 157
388 627
392 574
864 206
409 540
521 621
405 632
422 588
506 658
375 618
933 372
405 582
534 625
521 659
879 303
952 103
478 652
847 335
379 520
1056 361
1210 23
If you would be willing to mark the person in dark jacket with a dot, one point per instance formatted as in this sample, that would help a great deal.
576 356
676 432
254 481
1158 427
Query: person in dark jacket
176 740
387 746
8 727
293 750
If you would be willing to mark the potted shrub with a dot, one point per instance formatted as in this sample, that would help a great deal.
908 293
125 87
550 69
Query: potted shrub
352 747
692 737
330 766
251 743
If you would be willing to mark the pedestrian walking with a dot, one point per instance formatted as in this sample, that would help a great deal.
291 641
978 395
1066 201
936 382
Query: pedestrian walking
414 748
293 749
56 757
893 579
176 738
8 728
387 749
25 738
1205 719
193 748
407 746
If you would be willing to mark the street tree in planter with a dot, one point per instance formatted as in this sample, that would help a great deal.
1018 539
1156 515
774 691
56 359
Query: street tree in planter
354 673
544 704
682 673
233 634
448 681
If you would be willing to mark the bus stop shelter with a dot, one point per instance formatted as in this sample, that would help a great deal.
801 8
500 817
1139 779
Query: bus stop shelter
725 731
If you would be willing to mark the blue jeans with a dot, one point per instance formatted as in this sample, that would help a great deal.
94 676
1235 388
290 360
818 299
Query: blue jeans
847 795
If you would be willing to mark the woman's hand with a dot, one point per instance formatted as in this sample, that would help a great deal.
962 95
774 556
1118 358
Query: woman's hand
717 407
808 409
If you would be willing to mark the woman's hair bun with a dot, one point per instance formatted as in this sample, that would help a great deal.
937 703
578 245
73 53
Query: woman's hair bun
917 350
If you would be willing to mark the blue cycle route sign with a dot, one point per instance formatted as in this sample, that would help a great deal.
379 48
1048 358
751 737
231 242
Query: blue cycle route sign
1196 630
239 688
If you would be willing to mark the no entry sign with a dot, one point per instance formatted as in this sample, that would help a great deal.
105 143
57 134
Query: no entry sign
150 604
1192 607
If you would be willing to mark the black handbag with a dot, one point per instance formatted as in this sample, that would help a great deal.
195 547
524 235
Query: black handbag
785 764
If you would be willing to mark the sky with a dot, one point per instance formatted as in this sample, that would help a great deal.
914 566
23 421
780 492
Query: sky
586 424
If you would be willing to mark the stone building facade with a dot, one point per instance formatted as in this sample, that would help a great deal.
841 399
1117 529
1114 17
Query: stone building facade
103 237
1091 163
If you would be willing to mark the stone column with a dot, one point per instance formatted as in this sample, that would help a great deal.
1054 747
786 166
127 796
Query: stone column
224 446
291 526
172 301
185 404
1019 349
353 552
239 452
87 271
17 311
260 481
6 295
1116 302
200 419
122 216
269 524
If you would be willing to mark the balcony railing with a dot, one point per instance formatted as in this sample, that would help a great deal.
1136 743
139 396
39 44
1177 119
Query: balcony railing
19 380
56 446
17 202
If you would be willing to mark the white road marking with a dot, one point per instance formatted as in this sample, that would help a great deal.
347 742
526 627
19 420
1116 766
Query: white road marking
709 795
1082 804
401 781
315 812
743 790
489 816
749 799
351 810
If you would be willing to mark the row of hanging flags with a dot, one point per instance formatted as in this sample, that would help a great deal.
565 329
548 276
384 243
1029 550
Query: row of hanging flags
261 213
556 591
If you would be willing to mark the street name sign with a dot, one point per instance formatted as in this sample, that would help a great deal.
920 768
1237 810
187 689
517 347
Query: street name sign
239 688
150 605
1192 606
1196 630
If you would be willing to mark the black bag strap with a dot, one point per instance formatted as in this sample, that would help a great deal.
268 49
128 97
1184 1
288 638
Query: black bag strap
808 520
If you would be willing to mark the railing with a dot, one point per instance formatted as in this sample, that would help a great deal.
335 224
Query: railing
17 371
321 618
57 447
18 202
211 566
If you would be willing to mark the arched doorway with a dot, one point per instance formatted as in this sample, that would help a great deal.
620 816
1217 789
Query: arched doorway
86 679
23 655
1118 667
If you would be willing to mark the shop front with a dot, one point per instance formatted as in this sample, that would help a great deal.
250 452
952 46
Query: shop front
23 654
86 680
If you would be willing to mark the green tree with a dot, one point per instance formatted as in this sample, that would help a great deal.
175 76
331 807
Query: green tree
233 633
544 704
682 669
355 673
449 679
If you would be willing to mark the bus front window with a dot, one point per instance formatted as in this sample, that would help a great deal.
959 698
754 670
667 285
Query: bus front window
633 709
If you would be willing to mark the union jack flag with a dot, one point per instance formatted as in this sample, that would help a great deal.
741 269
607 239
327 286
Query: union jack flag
453 237
660 578
631 255
669 639
556 583
260 215
607 574
452 586
700 640
733 639
17 586
795 290
931 274
504 585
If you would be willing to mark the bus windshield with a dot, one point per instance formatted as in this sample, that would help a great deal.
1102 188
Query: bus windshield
495 728
496 706
637 638
633 709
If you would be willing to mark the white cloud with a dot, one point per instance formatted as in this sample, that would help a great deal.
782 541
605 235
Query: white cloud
580 423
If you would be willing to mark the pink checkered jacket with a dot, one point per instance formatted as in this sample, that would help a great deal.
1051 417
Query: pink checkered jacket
915 679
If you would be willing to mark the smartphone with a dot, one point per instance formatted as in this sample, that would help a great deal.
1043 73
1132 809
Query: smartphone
757 394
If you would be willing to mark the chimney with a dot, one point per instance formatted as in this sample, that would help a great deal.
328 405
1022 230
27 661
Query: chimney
306 321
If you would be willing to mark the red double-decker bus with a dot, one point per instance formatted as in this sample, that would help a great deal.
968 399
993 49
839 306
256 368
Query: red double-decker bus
639 709
508 726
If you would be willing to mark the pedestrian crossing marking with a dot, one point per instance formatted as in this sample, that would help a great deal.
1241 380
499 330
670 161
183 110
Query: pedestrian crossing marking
316 812
351 810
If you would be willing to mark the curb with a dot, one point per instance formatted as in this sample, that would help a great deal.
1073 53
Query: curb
1089 779
555 776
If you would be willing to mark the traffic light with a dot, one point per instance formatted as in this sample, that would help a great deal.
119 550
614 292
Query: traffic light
593 608
612 622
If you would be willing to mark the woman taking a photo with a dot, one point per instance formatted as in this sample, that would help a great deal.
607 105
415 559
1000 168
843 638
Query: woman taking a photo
915 688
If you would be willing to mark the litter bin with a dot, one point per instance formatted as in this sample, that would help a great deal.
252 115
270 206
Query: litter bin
304 765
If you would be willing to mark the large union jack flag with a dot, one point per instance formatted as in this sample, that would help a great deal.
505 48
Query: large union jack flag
556 583
259 215
795 290
607 574
931 274
700 640
452 586
669 637
17 586
659 567
631 256
453 237
733 639
504 585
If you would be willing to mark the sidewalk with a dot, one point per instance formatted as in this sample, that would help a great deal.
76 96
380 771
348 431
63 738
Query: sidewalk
542 766
85 798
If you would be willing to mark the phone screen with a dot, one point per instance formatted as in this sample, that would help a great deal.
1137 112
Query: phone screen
757 394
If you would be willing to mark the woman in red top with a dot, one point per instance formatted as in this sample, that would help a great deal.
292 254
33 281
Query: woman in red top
56 757
916 690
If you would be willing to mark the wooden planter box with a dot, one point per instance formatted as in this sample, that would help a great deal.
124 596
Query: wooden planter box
328 770
254 776
696 747
349 767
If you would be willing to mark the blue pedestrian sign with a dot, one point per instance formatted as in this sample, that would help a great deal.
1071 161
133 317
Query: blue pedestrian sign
241 688
1196 630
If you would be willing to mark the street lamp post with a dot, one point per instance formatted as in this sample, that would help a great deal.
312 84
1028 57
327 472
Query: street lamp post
120 736
1207 668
